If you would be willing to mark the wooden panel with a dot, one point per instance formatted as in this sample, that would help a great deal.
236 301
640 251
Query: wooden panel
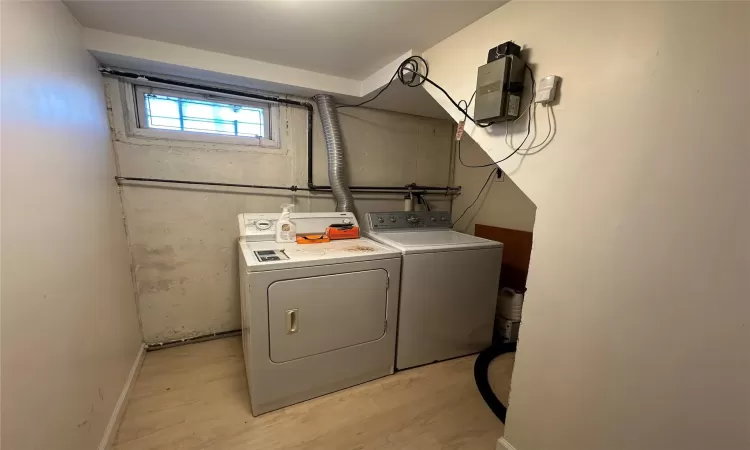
516 253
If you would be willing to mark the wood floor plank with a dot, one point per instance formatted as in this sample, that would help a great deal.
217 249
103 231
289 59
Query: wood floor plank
195 397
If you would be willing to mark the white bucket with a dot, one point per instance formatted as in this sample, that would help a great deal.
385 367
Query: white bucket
510 304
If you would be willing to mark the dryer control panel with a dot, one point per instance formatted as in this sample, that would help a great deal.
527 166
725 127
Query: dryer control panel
262 227
400 220
270 255
257 227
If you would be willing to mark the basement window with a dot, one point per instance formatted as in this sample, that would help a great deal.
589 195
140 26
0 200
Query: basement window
196 116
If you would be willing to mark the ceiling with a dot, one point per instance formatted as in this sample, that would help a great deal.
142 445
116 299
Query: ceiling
351 39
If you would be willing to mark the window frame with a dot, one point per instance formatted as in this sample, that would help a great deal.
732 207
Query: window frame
137 117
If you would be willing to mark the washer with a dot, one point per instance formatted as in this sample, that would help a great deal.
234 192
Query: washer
316 318
449 285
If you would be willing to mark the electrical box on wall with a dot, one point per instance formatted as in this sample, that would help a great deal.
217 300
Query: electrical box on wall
500 85
547 89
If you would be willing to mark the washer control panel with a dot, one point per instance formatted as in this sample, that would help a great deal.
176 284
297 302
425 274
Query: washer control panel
399 220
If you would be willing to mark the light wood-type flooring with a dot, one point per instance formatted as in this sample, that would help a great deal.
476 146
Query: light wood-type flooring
195 397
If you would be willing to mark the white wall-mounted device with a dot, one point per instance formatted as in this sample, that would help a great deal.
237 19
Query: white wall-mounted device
547 89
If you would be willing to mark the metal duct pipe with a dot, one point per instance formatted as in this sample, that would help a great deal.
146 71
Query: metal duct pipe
335 148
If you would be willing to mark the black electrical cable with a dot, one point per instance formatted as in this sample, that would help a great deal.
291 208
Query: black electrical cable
413 62
368 101
528 127
422 200
440 88
473 94
478 195
465 111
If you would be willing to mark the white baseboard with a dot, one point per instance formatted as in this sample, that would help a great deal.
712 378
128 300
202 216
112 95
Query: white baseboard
114 421
503 444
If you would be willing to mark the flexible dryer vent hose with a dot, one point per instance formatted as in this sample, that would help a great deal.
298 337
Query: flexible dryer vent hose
335 148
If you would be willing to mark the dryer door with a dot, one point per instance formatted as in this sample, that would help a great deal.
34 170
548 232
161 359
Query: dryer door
309 316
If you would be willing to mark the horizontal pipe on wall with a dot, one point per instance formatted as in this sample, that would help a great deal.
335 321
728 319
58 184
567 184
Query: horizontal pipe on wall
198 87
211 183
405 188
399 191
413 188
293 188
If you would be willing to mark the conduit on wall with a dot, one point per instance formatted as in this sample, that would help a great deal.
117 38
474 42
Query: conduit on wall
311 187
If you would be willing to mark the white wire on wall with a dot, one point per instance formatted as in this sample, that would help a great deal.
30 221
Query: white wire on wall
508 138
551 130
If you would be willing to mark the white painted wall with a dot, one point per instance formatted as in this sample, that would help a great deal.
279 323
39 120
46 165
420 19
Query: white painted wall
502 204
183 241
635 332
69 325
177 55
150 56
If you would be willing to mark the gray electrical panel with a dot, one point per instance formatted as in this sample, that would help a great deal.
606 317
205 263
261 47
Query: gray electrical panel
499 89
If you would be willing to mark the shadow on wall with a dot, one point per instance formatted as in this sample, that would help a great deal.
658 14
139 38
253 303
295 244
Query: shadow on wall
500 204
491 206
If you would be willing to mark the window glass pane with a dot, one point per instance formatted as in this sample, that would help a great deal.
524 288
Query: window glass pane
205 126
162 112
250 116
187 114
164 123
198 110
250 130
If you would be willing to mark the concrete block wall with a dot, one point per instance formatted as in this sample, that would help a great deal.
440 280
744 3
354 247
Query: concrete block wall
183 239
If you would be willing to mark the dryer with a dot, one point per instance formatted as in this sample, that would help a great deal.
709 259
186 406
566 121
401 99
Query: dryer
449 285
316 318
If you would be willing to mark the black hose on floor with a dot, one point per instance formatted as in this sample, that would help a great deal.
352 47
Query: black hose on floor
481 367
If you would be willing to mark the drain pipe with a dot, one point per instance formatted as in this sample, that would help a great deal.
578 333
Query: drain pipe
335 148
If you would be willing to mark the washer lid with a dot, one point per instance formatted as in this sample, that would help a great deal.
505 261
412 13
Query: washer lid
432 241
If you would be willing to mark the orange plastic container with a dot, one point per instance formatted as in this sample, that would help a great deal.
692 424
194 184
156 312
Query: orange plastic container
312 238
336 232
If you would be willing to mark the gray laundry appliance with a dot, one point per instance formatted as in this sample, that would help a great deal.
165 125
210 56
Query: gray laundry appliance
449 285
316 318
